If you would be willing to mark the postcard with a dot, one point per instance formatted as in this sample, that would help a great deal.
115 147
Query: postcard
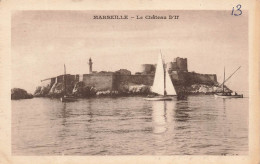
129 85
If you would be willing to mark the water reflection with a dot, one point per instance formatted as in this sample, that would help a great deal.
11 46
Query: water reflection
224 109
162 115
182 97
198 125
90 111
182 111
64 114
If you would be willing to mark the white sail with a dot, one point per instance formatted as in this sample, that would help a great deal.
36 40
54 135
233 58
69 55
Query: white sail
170 90
158 83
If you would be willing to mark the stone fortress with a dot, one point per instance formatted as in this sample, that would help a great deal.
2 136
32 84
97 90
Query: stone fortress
178 64
124 82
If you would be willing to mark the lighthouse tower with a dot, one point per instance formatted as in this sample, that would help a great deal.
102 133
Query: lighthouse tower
90 63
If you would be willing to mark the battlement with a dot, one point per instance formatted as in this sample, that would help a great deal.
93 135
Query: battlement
178 64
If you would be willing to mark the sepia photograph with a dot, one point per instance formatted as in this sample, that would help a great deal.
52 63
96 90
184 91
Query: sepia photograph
130 82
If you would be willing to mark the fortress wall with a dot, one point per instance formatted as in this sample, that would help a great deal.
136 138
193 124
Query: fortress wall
177 78
196 78
126 80
100 82
77 78
122 83
70 79
53 80
207 79
60 79
213 77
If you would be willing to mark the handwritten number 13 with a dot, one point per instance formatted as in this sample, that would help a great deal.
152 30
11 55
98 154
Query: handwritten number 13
237 12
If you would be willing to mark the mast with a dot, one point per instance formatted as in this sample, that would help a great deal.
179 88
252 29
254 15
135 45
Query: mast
164 79
231 75
164 76
65 89
223 80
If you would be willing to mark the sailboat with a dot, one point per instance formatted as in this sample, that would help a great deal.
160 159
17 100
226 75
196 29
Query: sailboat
162 84
66 97
224 94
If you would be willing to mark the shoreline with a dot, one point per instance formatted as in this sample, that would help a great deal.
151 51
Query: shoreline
181 96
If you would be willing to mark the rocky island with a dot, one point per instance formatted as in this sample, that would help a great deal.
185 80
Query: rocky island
18 93
122 82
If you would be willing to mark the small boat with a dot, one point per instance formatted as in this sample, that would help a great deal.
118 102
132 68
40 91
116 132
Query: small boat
224 94
221 95
162 84
66 97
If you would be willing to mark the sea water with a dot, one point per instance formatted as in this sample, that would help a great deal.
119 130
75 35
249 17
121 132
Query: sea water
196 125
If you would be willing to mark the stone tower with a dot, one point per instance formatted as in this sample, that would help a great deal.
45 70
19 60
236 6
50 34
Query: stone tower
90 63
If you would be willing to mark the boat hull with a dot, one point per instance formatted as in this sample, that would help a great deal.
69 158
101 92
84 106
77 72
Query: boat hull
67 99
158 98
228 96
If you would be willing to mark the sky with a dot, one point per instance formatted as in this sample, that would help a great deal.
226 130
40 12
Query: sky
42 41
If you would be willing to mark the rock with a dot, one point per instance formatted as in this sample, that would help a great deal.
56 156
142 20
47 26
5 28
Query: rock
18 93
200 89
80 90
56 90
106 93
220 89
42 91
123 88
139 89
37 91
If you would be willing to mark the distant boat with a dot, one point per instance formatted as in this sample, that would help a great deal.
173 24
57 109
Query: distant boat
162 84
66 97
224 94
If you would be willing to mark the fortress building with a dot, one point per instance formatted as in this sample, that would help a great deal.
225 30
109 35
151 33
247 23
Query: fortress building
122 79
